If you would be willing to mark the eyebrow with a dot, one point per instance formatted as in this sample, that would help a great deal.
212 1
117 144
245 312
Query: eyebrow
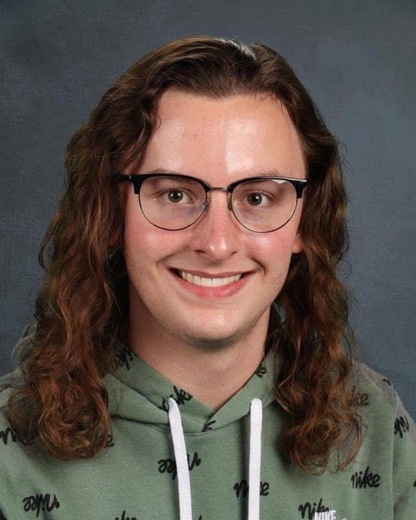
163 171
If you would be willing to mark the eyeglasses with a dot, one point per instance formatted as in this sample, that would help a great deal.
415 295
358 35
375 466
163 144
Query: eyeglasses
175 202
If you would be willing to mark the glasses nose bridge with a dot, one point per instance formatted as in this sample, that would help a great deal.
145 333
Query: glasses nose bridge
224 189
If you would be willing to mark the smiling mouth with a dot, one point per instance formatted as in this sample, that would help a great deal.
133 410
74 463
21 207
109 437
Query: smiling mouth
208 282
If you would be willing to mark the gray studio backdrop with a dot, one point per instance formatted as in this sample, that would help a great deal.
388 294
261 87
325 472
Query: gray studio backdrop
357 59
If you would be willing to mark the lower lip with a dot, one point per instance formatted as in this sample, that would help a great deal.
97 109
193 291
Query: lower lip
222 291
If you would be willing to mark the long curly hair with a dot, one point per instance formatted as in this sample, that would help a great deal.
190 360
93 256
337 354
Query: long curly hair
82 305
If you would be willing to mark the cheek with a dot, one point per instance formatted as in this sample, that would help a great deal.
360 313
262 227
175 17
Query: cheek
140 247
274 251
137 242
145 244
278 244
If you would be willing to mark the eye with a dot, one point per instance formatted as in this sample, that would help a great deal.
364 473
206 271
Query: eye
257 199
169 191
177 196
262 194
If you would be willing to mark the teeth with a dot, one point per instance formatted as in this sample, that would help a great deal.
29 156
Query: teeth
208 282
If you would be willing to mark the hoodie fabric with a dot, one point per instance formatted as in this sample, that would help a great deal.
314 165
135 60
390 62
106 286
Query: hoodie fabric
171 457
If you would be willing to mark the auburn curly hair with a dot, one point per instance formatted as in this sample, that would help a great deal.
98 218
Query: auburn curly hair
82 305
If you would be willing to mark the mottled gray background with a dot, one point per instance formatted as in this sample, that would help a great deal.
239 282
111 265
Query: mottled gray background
358 60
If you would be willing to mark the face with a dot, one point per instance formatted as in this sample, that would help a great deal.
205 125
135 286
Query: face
170 272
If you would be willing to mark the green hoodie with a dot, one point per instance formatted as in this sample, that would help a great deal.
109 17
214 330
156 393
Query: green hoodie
198 464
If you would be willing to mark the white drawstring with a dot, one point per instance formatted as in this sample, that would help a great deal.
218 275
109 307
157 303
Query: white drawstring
179 448
256 418
182 468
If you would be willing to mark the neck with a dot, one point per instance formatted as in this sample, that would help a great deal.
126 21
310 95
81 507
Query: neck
211 375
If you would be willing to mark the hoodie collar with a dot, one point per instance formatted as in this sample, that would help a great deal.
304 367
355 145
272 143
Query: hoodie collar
138 392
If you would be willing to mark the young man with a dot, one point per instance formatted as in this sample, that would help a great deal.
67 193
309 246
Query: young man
190 357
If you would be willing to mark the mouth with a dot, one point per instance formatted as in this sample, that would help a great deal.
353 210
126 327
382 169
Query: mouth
204 281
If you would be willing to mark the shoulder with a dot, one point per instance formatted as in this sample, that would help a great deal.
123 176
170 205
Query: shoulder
368 383
387 456
374 395
8 384
13 380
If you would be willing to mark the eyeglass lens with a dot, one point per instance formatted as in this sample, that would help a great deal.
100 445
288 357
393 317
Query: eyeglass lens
174 203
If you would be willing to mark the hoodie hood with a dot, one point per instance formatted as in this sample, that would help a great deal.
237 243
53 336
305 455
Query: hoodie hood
138 392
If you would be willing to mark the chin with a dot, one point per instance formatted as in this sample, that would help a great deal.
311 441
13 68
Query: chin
212 344
215 343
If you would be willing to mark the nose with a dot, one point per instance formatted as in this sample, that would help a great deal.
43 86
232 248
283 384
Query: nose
216 235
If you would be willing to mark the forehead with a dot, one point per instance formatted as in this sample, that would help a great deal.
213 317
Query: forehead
239 135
